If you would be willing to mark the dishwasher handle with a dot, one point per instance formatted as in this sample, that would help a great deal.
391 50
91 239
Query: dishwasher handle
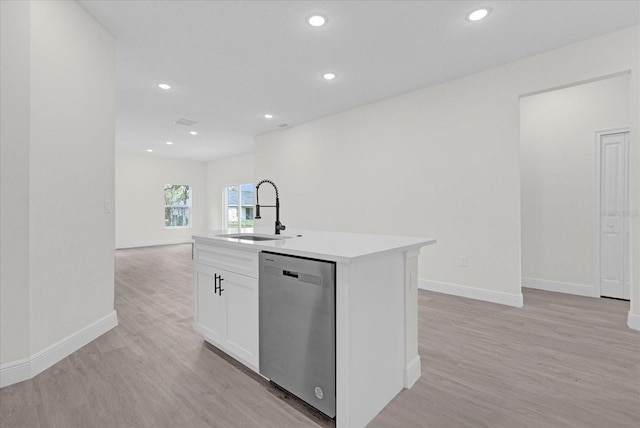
290 273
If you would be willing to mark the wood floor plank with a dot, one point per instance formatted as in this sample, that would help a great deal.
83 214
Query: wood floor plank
560 361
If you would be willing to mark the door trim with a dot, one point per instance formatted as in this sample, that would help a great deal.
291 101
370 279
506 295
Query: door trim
598 207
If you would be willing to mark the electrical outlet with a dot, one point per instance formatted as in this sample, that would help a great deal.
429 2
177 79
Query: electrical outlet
107 206
462 261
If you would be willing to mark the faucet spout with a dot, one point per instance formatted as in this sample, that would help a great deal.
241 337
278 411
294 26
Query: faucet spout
279 226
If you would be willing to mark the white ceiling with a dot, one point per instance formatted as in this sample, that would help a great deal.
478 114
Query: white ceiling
230 62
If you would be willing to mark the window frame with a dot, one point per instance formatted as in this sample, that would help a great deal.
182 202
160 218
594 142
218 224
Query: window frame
239 206
188 206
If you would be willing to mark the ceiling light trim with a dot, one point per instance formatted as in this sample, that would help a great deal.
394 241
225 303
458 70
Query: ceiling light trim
317 20
478 14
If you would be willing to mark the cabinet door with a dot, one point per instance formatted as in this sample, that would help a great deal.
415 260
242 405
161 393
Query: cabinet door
242 316
210 317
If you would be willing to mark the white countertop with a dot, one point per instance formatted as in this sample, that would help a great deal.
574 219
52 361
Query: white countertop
335 246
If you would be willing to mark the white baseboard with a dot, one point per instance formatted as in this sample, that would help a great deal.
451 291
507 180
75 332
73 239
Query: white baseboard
561 287
14 372
472 292
633 321
412 372
153 243
18 371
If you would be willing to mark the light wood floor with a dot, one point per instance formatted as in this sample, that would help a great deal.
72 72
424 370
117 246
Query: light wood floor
561 361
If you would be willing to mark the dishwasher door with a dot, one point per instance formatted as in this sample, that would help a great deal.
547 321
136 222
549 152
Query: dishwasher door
297 327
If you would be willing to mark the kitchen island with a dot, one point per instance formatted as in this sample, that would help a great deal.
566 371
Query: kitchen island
376 312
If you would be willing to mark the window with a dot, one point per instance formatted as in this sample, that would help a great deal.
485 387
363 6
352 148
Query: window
238 206
177 205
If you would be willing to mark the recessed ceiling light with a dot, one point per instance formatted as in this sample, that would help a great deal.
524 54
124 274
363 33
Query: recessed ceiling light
149 150
164 86
268 116
169 142
479 14
329 76
317 20
193 133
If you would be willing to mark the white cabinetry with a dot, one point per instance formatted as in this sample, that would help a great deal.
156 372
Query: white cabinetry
226 301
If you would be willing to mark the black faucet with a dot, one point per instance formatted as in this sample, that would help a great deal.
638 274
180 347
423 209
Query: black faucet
279 226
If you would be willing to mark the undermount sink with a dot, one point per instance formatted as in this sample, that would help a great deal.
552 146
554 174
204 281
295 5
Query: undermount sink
254 237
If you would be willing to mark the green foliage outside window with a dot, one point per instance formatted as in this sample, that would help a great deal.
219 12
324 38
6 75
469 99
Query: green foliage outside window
177 205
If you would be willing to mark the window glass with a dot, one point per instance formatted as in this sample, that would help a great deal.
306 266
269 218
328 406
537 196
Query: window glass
177 205
238 201
232 207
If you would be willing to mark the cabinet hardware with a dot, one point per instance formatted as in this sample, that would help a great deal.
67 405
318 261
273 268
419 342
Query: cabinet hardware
217 282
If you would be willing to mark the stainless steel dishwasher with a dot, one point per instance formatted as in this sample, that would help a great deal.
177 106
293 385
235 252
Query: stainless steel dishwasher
298 327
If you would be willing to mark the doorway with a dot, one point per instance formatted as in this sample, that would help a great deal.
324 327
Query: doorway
612 227
560 188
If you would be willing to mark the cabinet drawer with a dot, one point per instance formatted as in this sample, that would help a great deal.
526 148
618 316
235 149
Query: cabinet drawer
242 262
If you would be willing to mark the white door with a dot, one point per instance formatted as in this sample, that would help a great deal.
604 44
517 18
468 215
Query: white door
613 209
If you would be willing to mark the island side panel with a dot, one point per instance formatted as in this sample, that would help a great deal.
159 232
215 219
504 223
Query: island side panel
370 324
343 415
412 370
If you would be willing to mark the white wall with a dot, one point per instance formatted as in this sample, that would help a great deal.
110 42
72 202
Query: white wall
61 124
634 190
421 164
442 162
220 173
558 150
140 181
71 170
634 312
14 180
